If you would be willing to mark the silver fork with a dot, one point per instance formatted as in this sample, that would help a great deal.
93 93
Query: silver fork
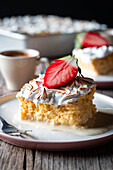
12 130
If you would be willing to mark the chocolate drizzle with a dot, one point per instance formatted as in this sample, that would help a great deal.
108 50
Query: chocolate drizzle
84 80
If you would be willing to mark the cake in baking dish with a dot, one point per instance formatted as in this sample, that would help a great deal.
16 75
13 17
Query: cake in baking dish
94 53
61 96
38 25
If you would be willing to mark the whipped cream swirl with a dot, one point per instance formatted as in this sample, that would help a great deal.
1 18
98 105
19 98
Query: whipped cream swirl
88 54
38 93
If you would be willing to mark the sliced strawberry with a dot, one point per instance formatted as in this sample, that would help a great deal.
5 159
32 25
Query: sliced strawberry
38 83
93 39
61 72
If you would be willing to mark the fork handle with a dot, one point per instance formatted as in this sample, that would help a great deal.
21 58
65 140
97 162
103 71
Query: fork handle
2 120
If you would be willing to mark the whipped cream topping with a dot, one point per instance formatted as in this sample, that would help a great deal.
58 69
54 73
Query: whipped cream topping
47 24
38 93
88 54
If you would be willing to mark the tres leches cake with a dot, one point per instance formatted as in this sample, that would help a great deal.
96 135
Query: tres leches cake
61 96
94 53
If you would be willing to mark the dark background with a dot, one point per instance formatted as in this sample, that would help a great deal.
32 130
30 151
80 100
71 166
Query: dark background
101 11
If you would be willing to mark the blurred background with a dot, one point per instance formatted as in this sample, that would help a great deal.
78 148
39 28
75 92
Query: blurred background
22 35
101 11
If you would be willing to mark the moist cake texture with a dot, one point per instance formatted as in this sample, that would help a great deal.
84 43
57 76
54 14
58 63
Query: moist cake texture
95 55
69 105
96 60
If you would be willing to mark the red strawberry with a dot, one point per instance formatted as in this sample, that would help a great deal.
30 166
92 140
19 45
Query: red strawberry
93 39
61 72
38 83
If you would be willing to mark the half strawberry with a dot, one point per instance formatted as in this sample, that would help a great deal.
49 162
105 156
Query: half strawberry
90 39
61 72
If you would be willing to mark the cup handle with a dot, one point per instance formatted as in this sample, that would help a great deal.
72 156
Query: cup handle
38 60
43 64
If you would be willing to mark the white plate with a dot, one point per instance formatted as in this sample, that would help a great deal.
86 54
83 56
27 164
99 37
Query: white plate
52 140
101 80
105 81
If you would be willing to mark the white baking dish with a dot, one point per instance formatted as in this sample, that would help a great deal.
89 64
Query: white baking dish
21 32
49 45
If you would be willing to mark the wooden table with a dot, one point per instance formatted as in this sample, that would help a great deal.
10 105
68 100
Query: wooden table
16 158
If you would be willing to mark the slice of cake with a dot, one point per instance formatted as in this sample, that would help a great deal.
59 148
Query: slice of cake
93 53
60 97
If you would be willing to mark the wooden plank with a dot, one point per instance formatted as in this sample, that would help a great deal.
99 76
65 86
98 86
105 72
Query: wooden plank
50 161
29 159
105 156
44 164
56 161
11 157
38 160
86 159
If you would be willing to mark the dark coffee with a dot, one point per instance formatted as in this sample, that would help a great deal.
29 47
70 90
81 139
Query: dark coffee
15 54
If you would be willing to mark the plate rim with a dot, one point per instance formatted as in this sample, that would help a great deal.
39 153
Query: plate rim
53 145
104 84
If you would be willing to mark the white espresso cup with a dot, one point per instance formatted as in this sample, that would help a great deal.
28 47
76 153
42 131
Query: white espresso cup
18 67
